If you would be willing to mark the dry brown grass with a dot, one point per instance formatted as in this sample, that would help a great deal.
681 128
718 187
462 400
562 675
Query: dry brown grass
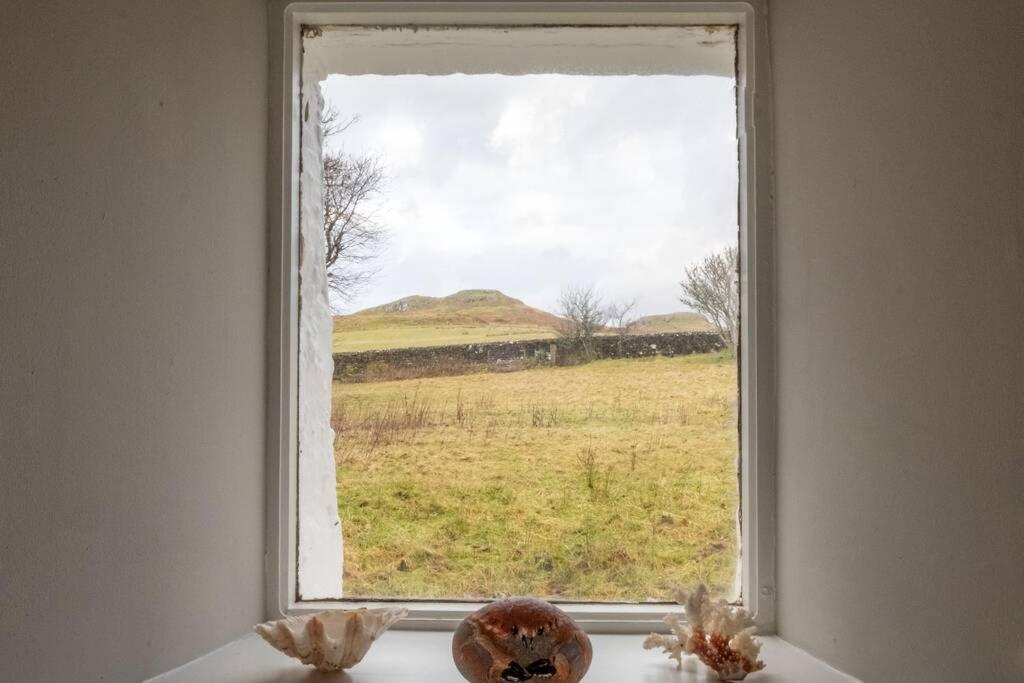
608 481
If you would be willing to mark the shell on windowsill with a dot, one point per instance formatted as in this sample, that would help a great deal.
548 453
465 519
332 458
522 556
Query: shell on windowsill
331 640
720 635
520 639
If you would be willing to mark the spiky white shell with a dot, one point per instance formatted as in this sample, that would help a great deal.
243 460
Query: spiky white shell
332 640
717 620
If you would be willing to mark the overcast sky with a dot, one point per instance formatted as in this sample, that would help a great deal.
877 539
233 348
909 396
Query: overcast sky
527 184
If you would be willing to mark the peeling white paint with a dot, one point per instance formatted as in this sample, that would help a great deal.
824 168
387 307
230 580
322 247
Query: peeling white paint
320 546
516 50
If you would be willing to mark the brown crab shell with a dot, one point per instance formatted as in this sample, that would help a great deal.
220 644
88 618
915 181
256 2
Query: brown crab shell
521 639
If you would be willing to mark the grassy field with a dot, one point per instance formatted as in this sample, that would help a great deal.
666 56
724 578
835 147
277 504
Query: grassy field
400 337
608 481
671 322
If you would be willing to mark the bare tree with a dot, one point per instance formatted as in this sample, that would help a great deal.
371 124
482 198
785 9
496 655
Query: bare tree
620 316
583 316
353 237
711 288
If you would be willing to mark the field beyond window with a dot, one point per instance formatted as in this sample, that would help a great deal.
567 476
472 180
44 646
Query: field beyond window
613 480
535 294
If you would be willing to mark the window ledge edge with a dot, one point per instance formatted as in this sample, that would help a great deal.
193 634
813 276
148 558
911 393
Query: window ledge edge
405 655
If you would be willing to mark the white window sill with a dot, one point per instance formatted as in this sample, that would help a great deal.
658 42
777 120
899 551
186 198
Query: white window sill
407 656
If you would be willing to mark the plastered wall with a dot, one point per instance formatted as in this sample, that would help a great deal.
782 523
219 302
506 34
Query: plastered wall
900 205
132 324
132 284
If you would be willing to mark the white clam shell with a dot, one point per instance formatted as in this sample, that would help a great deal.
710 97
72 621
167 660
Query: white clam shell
332 640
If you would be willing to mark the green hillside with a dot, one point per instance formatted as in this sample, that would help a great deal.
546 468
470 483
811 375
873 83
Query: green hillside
671 322
472 316
468 317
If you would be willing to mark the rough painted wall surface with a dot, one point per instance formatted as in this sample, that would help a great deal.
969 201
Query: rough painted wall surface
132 325
900 197
320 551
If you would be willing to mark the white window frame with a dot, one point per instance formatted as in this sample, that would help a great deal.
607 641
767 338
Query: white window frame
756 212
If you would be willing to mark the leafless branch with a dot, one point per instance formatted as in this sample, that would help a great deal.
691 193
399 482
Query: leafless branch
620 316
711 288
331 123
353 237
583 316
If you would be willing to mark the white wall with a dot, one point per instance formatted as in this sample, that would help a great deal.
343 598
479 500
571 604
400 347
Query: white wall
132 322
132 283
901 321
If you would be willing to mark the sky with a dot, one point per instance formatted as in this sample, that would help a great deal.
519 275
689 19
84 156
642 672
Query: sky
529 184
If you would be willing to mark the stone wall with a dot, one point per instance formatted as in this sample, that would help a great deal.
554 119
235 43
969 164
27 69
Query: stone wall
459 359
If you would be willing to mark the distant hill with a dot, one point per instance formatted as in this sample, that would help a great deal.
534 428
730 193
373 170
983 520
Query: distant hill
671 322
468 316
478 306
472 316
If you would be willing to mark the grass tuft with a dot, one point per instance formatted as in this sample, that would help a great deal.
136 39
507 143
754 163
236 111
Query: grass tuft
608 481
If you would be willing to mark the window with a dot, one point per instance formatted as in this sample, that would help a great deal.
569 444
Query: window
674 42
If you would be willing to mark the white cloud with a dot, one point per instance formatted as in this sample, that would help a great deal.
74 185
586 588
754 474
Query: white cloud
516 125
526 184
399 141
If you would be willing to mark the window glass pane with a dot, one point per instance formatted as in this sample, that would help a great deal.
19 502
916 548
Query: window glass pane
527 399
